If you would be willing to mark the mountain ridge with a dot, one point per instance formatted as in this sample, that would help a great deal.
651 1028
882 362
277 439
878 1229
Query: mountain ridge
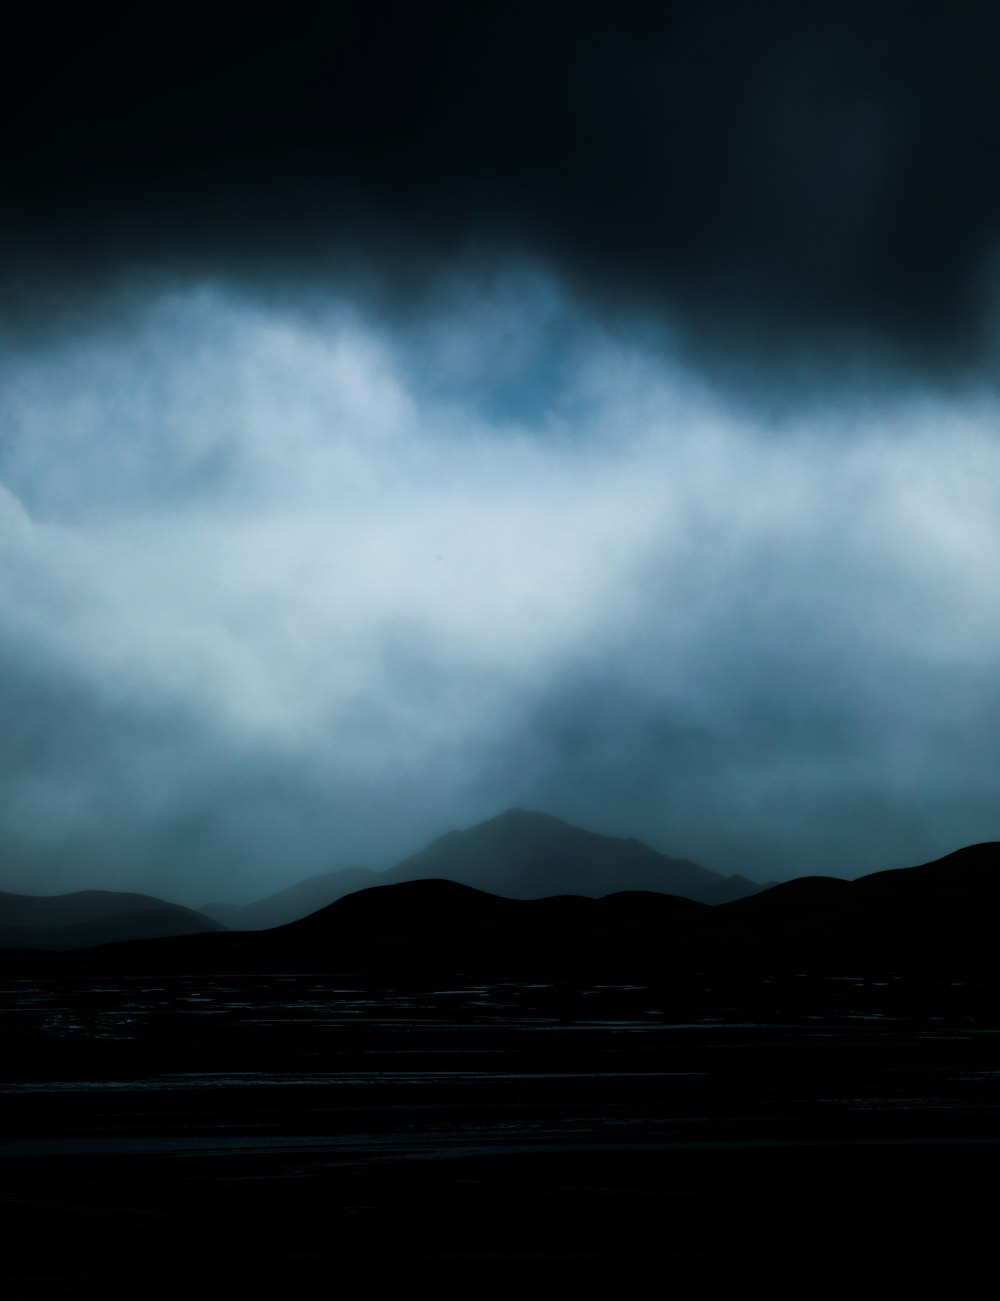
520 854
937 916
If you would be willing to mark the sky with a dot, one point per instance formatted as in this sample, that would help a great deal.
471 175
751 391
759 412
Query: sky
413 411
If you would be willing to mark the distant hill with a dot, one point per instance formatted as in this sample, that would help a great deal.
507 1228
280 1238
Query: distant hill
519 855
942 916
87 917
525 855
729 889
296 901
464 924
430 925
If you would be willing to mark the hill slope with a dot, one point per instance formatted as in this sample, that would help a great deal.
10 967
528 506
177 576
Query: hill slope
86 917
525 855
940 917
946 911
296 901
519 855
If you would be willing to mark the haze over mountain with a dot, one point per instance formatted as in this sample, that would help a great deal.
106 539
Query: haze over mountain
526 855
518 854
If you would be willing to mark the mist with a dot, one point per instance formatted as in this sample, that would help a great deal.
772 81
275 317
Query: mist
409 413
291 583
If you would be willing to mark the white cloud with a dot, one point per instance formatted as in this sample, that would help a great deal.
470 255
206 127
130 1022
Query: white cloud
311 537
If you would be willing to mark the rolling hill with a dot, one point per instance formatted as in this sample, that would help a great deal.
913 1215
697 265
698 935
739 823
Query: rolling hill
520 855
87 917
296 901
941 915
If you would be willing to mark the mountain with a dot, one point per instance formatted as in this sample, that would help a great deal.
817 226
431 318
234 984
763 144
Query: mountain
87 917
942 913
519 855
296 901
525 855
939 917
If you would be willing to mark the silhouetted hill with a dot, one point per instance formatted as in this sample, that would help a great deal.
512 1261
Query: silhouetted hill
519 855
525 855
946 911
419 926
961 883
819 897
87 917
428 920
729 889
938 916
296 901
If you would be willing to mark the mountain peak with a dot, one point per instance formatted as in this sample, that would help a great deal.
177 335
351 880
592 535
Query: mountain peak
526 854
523 817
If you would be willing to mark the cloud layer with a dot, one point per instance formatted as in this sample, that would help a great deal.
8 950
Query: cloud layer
766 176
288 584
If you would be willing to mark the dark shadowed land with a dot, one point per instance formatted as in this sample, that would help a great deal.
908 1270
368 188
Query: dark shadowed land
518 854
295 901
936 918
477 1096
86 917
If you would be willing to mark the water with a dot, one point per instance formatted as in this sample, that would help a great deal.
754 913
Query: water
191 1063
262 1136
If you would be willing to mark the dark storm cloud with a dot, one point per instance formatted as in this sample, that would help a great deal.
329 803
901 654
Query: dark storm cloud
770 176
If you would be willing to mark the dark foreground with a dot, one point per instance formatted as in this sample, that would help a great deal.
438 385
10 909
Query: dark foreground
300 1136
